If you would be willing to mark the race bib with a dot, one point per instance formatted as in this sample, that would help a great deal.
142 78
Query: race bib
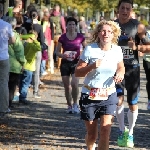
71 55
98 94
127 52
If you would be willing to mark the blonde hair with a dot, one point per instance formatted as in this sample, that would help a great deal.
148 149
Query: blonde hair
115 27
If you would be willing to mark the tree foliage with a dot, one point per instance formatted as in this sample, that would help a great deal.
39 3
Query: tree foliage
82 5
94 5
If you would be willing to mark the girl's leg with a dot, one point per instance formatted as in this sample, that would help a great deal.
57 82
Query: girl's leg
105 129
75 88
68 89
75 93
92 133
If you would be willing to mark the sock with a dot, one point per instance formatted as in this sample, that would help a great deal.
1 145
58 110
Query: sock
120 117
132 117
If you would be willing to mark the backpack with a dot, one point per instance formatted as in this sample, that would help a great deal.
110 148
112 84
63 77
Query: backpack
57 24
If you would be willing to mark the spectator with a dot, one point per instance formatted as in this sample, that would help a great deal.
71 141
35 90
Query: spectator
93 24
26 15
30 51
6 35
74 15
19 28
16 61
82 25
47 34
59 28
58 20
49 37
101 18
33 24
17 8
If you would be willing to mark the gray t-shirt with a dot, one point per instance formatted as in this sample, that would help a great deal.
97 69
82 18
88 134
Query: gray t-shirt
129 30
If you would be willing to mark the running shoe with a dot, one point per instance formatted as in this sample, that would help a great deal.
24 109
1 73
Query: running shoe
130 142
122 138
76 108
94 146
69 110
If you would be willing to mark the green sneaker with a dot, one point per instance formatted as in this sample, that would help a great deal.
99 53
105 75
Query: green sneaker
130 142
122 138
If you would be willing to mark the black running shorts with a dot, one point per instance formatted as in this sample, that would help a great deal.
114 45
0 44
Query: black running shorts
93 109
132 84
67 68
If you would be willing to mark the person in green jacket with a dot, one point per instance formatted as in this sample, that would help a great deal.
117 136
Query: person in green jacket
31 46
15 9
16 60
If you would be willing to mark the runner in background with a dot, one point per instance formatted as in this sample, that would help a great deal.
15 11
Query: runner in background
70 42
143 37
132 74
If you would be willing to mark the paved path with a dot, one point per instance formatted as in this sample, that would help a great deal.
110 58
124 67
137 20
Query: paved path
44 125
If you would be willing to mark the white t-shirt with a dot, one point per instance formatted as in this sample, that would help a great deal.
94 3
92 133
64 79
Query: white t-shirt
102 77
5 33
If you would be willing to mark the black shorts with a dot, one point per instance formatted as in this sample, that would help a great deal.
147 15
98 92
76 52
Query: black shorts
132 84
67 68
93 109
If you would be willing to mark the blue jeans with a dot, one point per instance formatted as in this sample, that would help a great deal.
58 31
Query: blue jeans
25 81
43 66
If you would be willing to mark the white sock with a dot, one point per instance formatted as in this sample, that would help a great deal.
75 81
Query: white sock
132 117
120 117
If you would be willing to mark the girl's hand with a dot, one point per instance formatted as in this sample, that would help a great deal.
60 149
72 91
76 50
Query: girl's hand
64 56
96 64
119 77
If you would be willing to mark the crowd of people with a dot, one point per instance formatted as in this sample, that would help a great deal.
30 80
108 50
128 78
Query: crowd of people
32 42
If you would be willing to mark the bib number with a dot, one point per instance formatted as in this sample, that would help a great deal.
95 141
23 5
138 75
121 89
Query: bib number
98 94
127 53
71 55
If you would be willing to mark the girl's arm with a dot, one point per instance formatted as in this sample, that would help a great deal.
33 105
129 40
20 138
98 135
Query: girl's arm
120 72
58 51
82 68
